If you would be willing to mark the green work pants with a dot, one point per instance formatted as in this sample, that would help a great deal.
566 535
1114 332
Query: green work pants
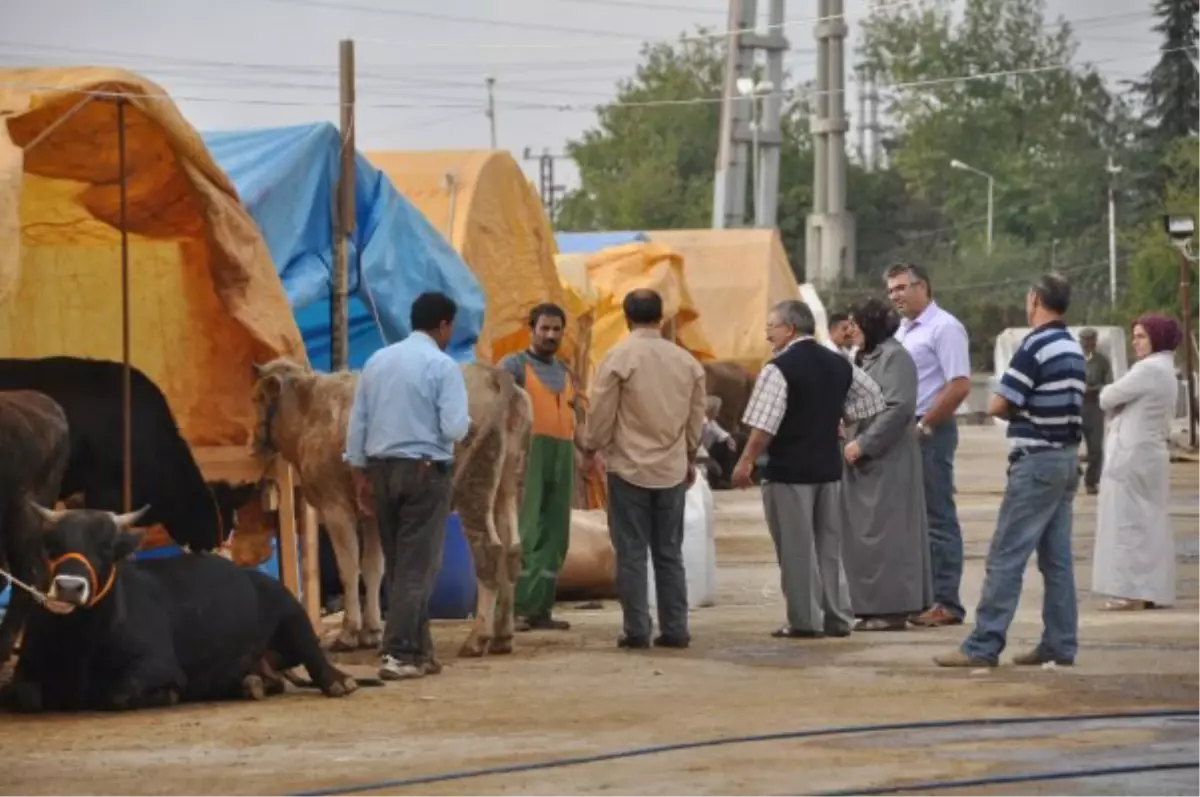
545 522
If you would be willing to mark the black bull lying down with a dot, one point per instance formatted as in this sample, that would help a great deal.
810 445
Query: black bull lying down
118 634
165 475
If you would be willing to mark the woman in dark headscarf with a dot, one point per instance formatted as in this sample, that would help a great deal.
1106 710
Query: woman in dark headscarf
1135 547
886 547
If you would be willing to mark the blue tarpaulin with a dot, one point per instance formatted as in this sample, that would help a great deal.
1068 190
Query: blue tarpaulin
588 243
287 179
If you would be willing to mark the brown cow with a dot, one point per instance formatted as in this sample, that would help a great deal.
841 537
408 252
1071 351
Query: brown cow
303 417
733 384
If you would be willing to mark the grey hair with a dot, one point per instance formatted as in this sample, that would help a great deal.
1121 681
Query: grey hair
796 314
1088 332
1054 291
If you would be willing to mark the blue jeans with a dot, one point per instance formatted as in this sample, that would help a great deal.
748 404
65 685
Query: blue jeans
1036 515
945 535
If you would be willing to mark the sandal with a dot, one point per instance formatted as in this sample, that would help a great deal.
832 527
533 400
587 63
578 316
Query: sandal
1127 605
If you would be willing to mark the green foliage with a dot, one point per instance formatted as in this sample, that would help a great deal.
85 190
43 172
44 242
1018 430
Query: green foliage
1170 88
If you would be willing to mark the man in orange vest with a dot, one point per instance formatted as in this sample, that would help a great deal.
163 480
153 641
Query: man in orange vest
550 469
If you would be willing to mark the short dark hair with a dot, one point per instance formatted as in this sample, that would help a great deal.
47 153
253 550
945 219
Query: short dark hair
837 318
643 306
1054 292
546 309
877 321
797 315
915 274
430 310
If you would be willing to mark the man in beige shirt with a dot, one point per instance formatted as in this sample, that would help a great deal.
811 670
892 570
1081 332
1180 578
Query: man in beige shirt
647 411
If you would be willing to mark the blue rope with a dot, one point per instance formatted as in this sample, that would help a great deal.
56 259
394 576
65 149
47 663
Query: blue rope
636 752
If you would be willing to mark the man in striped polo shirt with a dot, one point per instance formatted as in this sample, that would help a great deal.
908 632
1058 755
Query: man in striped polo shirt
1041 397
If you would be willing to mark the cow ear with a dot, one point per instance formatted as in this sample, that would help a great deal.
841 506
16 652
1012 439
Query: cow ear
75 501
126 543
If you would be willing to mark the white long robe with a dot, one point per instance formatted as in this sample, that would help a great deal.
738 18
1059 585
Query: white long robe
1135 545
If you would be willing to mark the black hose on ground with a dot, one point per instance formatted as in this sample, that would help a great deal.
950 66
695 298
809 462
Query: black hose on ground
636 752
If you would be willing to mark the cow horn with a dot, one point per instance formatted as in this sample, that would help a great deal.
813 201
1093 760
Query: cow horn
51 516
129 518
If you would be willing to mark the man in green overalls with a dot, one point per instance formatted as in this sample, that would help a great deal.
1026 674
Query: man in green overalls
550 470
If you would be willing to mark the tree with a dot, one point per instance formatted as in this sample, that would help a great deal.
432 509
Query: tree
1171 107
1042 131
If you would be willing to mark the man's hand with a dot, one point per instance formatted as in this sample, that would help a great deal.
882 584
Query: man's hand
690 479
852 452
593 465
363 495
741 473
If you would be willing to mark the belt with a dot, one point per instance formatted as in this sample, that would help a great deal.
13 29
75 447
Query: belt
1018 454
440 465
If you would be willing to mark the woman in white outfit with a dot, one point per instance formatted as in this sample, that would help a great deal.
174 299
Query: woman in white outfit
1135 545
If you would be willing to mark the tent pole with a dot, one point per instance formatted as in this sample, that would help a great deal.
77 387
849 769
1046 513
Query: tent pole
339 343
126 376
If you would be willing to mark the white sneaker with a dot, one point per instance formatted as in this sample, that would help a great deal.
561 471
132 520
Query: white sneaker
392 669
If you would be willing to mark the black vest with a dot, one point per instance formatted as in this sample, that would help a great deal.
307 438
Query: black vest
806 449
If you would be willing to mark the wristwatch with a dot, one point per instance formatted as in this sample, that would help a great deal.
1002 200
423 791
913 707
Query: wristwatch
923 430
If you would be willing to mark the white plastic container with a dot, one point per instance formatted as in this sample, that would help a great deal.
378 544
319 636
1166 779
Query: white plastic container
699 547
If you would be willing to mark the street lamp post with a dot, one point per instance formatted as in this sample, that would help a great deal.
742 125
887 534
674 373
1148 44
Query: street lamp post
957 164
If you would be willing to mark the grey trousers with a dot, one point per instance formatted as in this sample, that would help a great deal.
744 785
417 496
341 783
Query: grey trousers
641 518
412 503
1093 435
805 521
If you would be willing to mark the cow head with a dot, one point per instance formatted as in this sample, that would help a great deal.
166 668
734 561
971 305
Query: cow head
271 386
83 547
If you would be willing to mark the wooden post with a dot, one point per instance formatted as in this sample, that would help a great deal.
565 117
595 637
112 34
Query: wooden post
311 564
339 327
126 373
289 570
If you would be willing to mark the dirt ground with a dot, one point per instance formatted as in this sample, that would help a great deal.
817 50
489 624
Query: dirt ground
574 693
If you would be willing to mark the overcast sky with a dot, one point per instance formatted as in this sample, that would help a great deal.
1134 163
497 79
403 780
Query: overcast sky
421 66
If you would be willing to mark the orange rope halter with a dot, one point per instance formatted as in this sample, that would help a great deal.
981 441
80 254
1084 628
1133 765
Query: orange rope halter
98 592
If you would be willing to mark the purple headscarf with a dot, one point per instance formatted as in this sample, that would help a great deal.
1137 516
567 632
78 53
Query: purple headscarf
1163 332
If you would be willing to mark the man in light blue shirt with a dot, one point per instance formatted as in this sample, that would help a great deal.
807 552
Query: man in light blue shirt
410 408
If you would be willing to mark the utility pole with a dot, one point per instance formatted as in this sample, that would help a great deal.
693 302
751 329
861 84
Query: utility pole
829 242
547 188
860 125
491 108
1112 235
339 327
1189 352
734 151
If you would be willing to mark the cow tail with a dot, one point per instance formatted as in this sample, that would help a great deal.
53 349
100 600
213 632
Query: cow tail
495 420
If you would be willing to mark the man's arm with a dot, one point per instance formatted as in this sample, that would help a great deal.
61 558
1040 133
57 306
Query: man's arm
954 356
356 427
696 415
1016 385
602 411
514 365
764 413
864 399
454 417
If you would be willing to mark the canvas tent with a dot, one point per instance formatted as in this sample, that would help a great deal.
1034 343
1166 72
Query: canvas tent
482 203
205 302
287 178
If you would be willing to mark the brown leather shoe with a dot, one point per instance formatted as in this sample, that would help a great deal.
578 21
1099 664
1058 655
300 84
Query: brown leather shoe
1035 657
959 659
936 616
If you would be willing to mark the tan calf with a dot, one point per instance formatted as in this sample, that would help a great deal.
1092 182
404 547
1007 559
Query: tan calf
303 416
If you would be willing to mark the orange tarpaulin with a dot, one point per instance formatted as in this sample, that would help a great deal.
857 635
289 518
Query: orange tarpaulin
205 300
483 205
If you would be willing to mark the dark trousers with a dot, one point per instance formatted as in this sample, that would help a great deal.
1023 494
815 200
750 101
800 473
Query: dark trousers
945 535
412 503
1093 436
641 518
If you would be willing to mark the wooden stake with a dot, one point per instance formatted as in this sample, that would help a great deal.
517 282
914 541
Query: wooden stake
127 372
339 327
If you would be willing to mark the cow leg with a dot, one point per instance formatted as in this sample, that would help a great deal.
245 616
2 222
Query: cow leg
371 635
479 528
508 565
342 528
295 644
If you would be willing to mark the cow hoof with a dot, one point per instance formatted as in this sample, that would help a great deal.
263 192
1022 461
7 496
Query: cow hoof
501 646
370 640
253 688
341 686
474 647
172 697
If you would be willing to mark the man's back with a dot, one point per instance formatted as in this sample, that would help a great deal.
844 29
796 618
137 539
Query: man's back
648 409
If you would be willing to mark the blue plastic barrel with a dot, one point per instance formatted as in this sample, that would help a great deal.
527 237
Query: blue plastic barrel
455 589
